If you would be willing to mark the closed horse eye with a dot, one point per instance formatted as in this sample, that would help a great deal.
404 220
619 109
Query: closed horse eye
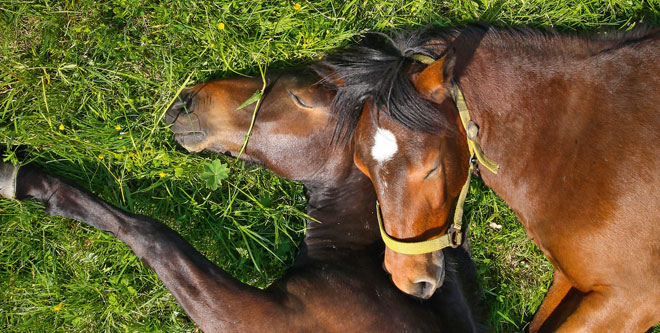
298 100
432 171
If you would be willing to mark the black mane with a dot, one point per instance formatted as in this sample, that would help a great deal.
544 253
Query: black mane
379 67
374 68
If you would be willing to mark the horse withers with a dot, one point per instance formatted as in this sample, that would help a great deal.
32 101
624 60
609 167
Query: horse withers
562 127
336 283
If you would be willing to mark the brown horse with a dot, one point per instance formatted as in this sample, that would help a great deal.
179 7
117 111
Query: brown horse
563 128
337 283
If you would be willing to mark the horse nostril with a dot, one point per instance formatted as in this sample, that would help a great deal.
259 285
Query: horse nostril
426 288
182 104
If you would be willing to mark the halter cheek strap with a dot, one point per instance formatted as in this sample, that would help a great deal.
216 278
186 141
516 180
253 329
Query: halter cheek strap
454 235
472 131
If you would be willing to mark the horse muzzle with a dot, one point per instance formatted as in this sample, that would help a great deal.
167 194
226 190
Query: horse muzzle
416 275
186 125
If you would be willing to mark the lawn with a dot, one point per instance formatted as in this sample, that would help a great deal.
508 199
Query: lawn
84 86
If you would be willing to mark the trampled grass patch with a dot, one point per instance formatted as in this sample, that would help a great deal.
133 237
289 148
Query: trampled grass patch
83 89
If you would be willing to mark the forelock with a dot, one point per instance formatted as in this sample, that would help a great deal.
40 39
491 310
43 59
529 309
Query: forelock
377 69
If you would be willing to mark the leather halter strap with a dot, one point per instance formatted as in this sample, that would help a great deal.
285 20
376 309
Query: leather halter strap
454 235
472 131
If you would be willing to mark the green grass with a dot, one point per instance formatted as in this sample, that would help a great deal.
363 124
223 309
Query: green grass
83 87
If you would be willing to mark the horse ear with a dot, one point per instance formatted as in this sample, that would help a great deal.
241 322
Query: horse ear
430 82
328 74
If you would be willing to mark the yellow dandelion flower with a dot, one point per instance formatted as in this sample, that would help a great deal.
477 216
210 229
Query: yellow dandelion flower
221 26
131 154
101 156
296 6
61 127
118 127
304 45
162 174
58 307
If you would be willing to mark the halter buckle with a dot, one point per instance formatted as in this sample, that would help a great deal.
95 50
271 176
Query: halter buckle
455 237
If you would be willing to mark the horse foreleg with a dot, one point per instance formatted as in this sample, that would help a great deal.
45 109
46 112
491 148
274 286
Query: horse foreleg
612 310
558 290
212 298
563 310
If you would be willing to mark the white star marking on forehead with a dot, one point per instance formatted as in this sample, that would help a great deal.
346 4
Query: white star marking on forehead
384 145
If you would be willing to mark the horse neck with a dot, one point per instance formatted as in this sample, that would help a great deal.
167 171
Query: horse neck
344 218
536 103
518 101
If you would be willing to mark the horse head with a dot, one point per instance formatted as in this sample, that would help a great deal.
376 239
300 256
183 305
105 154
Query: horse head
408 140
292 134
417 177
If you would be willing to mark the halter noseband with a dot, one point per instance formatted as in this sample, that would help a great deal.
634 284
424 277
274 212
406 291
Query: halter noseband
454 236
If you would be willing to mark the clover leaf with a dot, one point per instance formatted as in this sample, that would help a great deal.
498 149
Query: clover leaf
214 173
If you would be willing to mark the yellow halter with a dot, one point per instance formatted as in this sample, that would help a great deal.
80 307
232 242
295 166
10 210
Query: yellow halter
454 235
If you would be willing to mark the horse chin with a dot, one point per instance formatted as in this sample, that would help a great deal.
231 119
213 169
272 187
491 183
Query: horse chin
245 156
